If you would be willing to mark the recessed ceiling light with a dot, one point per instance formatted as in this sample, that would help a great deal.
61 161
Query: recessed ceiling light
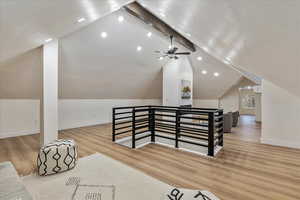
48 40
162 14
103 34
120 18
170 46
81 20
139 48
205 49
216 74
226 62
204 72
149 34
161 58
199 58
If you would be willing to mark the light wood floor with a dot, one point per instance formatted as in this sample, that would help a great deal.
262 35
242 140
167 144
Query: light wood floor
242 170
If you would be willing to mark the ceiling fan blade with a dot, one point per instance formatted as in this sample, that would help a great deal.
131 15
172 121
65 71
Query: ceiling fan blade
183 53
173 50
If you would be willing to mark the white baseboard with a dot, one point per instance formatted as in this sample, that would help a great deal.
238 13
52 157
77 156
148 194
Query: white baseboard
18 133
83 124
283 143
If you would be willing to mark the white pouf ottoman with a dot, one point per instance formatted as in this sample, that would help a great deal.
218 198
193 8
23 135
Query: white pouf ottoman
58 156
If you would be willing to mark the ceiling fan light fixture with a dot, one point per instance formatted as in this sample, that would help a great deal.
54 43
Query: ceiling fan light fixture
120 18
216 74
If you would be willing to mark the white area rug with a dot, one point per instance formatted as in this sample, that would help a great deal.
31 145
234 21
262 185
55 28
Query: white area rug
98 177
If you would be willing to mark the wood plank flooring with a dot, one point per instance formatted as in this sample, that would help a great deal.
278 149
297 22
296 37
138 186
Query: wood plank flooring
243 170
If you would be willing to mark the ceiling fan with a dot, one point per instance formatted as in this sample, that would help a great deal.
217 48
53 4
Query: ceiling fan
172 52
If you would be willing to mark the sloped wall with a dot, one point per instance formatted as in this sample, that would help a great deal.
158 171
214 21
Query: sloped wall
230 101
280 116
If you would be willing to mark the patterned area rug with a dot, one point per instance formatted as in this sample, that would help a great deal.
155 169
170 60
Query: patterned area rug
98 177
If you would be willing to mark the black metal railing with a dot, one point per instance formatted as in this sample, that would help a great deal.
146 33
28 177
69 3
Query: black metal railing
196 126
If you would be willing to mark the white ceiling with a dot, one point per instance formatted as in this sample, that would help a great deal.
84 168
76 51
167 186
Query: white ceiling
258 36
207 86
93 67
26 24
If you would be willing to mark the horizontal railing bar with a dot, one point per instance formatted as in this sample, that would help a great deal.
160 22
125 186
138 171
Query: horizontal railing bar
138 133
164 124
142 123
121 113
208 110
145 136
143 115
187 132
129 107
124 122
142 110
164 120
193 129
195 118
167 128
140 127
123 132
163 131
194 143
164 110
123 118
123 127
166 137
198 138
165 115
194 124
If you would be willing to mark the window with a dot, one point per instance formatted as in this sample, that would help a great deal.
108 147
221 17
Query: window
248 101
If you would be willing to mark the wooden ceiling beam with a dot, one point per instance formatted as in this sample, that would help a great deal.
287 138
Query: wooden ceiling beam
147 17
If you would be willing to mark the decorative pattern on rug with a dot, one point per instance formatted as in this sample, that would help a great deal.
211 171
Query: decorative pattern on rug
98 177
185 194
94 192
73 181
59 156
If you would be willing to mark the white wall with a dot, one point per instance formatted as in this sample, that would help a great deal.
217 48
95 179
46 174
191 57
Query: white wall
206 103
280 116
21 116
78 112
49 98
258 107
173 73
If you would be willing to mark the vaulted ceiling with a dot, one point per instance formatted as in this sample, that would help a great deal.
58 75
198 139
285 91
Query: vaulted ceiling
258 37
111 67
261 37
25 25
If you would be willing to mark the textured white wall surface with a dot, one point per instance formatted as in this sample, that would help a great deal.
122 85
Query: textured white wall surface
206 103
280 116
49 99
21 116
173 73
